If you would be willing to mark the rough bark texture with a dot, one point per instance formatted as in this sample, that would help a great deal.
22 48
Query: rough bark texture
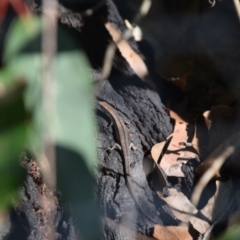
29 219
143 112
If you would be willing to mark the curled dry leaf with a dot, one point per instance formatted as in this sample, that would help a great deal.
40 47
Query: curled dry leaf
175 170
177 150
168 233
184 210
187 141
200 136
134 59
157 150
209 174
207 119
175 146
218 203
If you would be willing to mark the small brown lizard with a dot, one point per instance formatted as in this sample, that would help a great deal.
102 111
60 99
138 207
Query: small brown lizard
123 138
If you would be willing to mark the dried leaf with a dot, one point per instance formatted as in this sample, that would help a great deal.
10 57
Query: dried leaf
175 170
174 149
200 137
157 150
134 60
175 146
184 210
218 202
206 116
183 146
168 233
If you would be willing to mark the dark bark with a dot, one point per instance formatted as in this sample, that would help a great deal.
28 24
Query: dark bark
148 123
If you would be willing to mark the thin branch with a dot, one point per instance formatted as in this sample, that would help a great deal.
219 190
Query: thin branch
89 12
224 213
237 6
49 48
108 59
208 175
212 2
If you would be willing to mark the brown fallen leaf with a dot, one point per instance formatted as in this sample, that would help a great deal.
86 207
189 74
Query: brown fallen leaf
186 142
174 148
156 150
183 146
184 210
200 136
175 170
134 60
206 116
218 202
163 233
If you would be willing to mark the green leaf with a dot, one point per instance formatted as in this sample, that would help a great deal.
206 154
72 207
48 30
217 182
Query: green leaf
12 142
11 174
6 78
72 126
22 31
73 122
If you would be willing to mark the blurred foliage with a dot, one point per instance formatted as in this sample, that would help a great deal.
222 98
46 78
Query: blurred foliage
12 141
231 234
72 127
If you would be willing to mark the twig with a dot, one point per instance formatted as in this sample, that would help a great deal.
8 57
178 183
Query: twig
48 56
89 12
212 2
237 6
206 234
49 46
107 64
207 176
